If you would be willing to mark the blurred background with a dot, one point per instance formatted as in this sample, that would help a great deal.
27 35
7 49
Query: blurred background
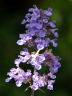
12 13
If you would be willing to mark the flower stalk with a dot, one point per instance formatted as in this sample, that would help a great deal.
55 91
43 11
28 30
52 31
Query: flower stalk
40 34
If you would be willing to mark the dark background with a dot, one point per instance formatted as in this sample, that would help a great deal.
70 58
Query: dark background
12 13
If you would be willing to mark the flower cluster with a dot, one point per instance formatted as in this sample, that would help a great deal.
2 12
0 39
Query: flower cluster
40 34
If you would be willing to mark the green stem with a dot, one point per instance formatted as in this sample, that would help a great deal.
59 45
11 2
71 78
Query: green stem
32 93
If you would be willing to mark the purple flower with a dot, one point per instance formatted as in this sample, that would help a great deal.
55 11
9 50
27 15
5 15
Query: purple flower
52 61
40 46
38 66
41 32
48 12
38 81
21 42
50 84
51 75
37 61
34 87
19 75
38 23
54 43
52 24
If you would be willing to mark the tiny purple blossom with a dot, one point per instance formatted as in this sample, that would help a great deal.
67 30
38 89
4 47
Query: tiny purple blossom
54 43
40 46
21 42
34 87
38 66
50 84
18 83
48 12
